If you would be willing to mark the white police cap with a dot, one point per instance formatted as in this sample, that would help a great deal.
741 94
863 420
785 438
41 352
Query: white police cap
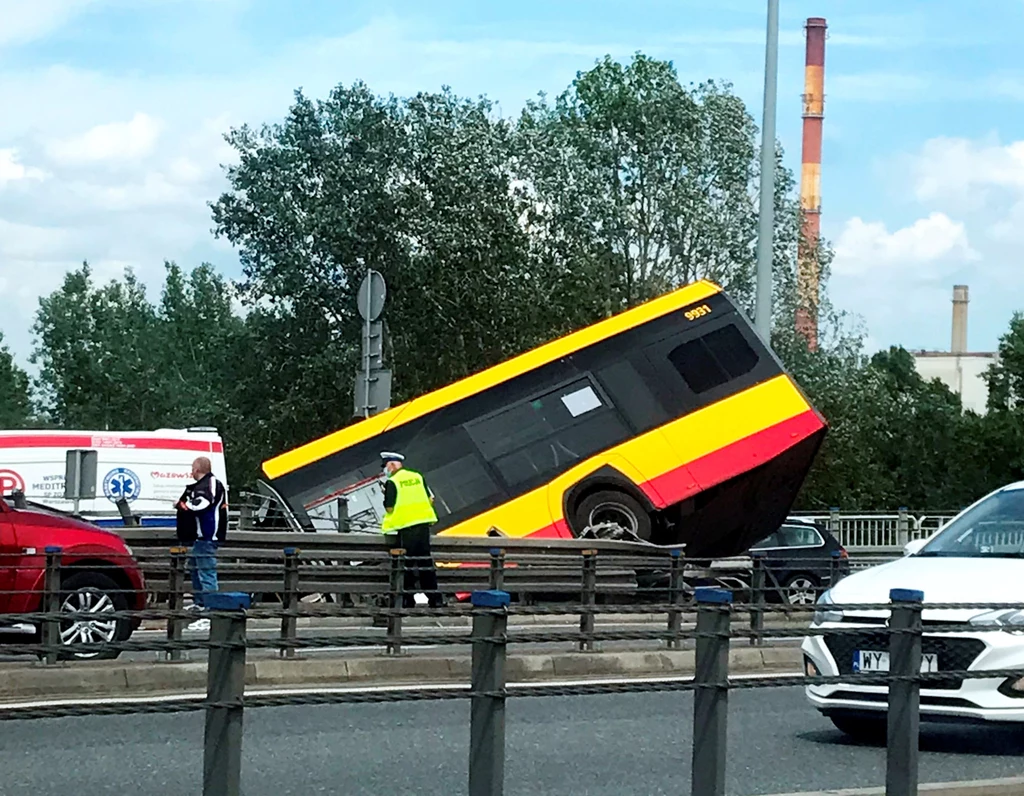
388 456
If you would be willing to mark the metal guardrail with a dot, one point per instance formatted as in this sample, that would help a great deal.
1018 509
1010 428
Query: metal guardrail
228 646
360 573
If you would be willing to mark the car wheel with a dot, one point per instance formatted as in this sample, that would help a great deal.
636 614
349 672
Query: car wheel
863 728
801 590
96 594
615 507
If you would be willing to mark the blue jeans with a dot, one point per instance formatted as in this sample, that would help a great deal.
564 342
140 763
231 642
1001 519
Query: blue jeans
203 565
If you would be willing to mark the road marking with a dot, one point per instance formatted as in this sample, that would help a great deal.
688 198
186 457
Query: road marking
195 696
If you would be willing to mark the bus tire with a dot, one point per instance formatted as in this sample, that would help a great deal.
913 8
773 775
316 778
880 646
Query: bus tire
610 505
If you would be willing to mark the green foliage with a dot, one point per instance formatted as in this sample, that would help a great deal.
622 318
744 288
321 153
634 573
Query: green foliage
15 402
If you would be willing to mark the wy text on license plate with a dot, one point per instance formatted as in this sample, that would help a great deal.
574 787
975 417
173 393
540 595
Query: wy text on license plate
872 661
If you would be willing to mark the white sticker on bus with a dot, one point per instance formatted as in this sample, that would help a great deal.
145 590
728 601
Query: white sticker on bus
581 401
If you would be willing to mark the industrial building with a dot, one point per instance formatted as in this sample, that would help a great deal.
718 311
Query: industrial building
959 369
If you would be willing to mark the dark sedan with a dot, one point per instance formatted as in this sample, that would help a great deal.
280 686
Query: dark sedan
798 562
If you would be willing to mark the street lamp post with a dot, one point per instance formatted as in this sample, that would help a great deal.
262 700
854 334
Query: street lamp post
766 218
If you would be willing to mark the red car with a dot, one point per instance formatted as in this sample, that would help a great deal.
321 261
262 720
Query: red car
99 575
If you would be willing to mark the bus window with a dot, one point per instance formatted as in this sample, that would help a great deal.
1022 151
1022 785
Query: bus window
535 439
459 485
713 359
629 391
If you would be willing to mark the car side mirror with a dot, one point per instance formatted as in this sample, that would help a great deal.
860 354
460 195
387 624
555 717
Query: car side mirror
914 546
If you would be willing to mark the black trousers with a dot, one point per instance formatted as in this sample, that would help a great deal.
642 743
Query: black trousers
419 565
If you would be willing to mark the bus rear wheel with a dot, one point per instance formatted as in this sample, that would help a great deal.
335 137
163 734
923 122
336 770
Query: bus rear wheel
612 507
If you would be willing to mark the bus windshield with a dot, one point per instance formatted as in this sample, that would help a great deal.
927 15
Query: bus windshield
671 423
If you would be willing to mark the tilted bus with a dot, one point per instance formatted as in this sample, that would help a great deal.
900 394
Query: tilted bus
672 420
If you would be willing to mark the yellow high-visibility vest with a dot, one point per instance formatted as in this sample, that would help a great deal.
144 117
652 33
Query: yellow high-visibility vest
412 502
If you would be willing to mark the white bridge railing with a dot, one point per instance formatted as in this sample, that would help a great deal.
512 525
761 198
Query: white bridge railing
870 530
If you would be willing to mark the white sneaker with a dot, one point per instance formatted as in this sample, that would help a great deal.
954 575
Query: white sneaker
200 625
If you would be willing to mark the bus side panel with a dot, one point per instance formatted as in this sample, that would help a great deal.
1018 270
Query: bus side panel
640 472
734 435
527 515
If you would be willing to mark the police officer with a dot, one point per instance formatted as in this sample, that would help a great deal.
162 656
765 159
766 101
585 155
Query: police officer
409 512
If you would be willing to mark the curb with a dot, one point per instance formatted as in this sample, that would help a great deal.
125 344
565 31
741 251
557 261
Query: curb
140 679
1011 786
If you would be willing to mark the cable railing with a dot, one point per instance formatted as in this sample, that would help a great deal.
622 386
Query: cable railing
923 655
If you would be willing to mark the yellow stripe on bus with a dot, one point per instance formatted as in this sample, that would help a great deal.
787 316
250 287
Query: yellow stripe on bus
471 385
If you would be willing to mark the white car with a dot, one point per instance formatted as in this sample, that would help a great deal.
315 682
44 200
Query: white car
977 557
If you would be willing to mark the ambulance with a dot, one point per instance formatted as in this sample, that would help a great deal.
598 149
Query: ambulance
149 469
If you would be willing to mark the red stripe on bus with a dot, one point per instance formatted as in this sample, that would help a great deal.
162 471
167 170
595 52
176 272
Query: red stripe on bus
731 460
126 443
716 467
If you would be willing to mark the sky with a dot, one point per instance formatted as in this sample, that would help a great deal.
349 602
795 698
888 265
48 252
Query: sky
111 135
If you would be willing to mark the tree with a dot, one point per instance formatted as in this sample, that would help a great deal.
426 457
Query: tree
1005 377
639 184
15 401
94 351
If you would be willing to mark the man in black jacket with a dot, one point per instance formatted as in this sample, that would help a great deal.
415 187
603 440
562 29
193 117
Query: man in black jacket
202 523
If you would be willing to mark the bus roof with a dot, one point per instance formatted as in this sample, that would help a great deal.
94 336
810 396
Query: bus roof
485 379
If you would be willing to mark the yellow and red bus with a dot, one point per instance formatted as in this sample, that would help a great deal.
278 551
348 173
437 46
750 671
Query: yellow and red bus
672 420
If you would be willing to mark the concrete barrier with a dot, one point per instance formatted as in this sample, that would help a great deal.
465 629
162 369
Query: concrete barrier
1011 786
140 679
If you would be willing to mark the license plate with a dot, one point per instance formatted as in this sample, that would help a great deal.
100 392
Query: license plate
870 661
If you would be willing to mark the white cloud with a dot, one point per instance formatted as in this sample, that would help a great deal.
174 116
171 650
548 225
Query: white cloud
22 21
129 140
12 170
958 169
868 247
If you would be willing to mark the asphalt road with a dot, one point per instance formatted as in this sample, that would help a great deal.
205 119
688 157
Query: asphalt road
594 746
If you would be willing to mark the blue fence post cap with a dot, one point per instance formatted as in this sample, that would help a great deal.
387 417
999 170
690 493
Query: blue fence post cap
836 554
496 551
290 551
712 595
906 595
676 553
758 554
492 598
53 548
227 601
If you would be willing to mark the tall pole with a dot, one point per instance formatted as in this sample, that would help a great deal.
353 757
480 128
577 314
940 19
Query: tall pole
367 361
766 219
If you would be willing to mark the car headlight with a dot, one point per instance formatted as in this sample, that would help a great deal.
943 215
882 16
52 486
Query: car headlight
824 613
1011 620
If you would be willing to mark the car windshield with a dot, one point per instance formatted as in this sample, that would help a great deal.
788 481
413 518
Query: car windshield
993 528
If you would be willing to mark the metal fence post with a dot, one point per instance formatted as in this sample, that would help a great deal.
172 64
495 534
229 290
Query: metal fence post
901 772
833 569
51 604
758 602
395 601
487 706
711 696
290 600
834 523
903 527
496 581
175 601
675 598
587 600
225 689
